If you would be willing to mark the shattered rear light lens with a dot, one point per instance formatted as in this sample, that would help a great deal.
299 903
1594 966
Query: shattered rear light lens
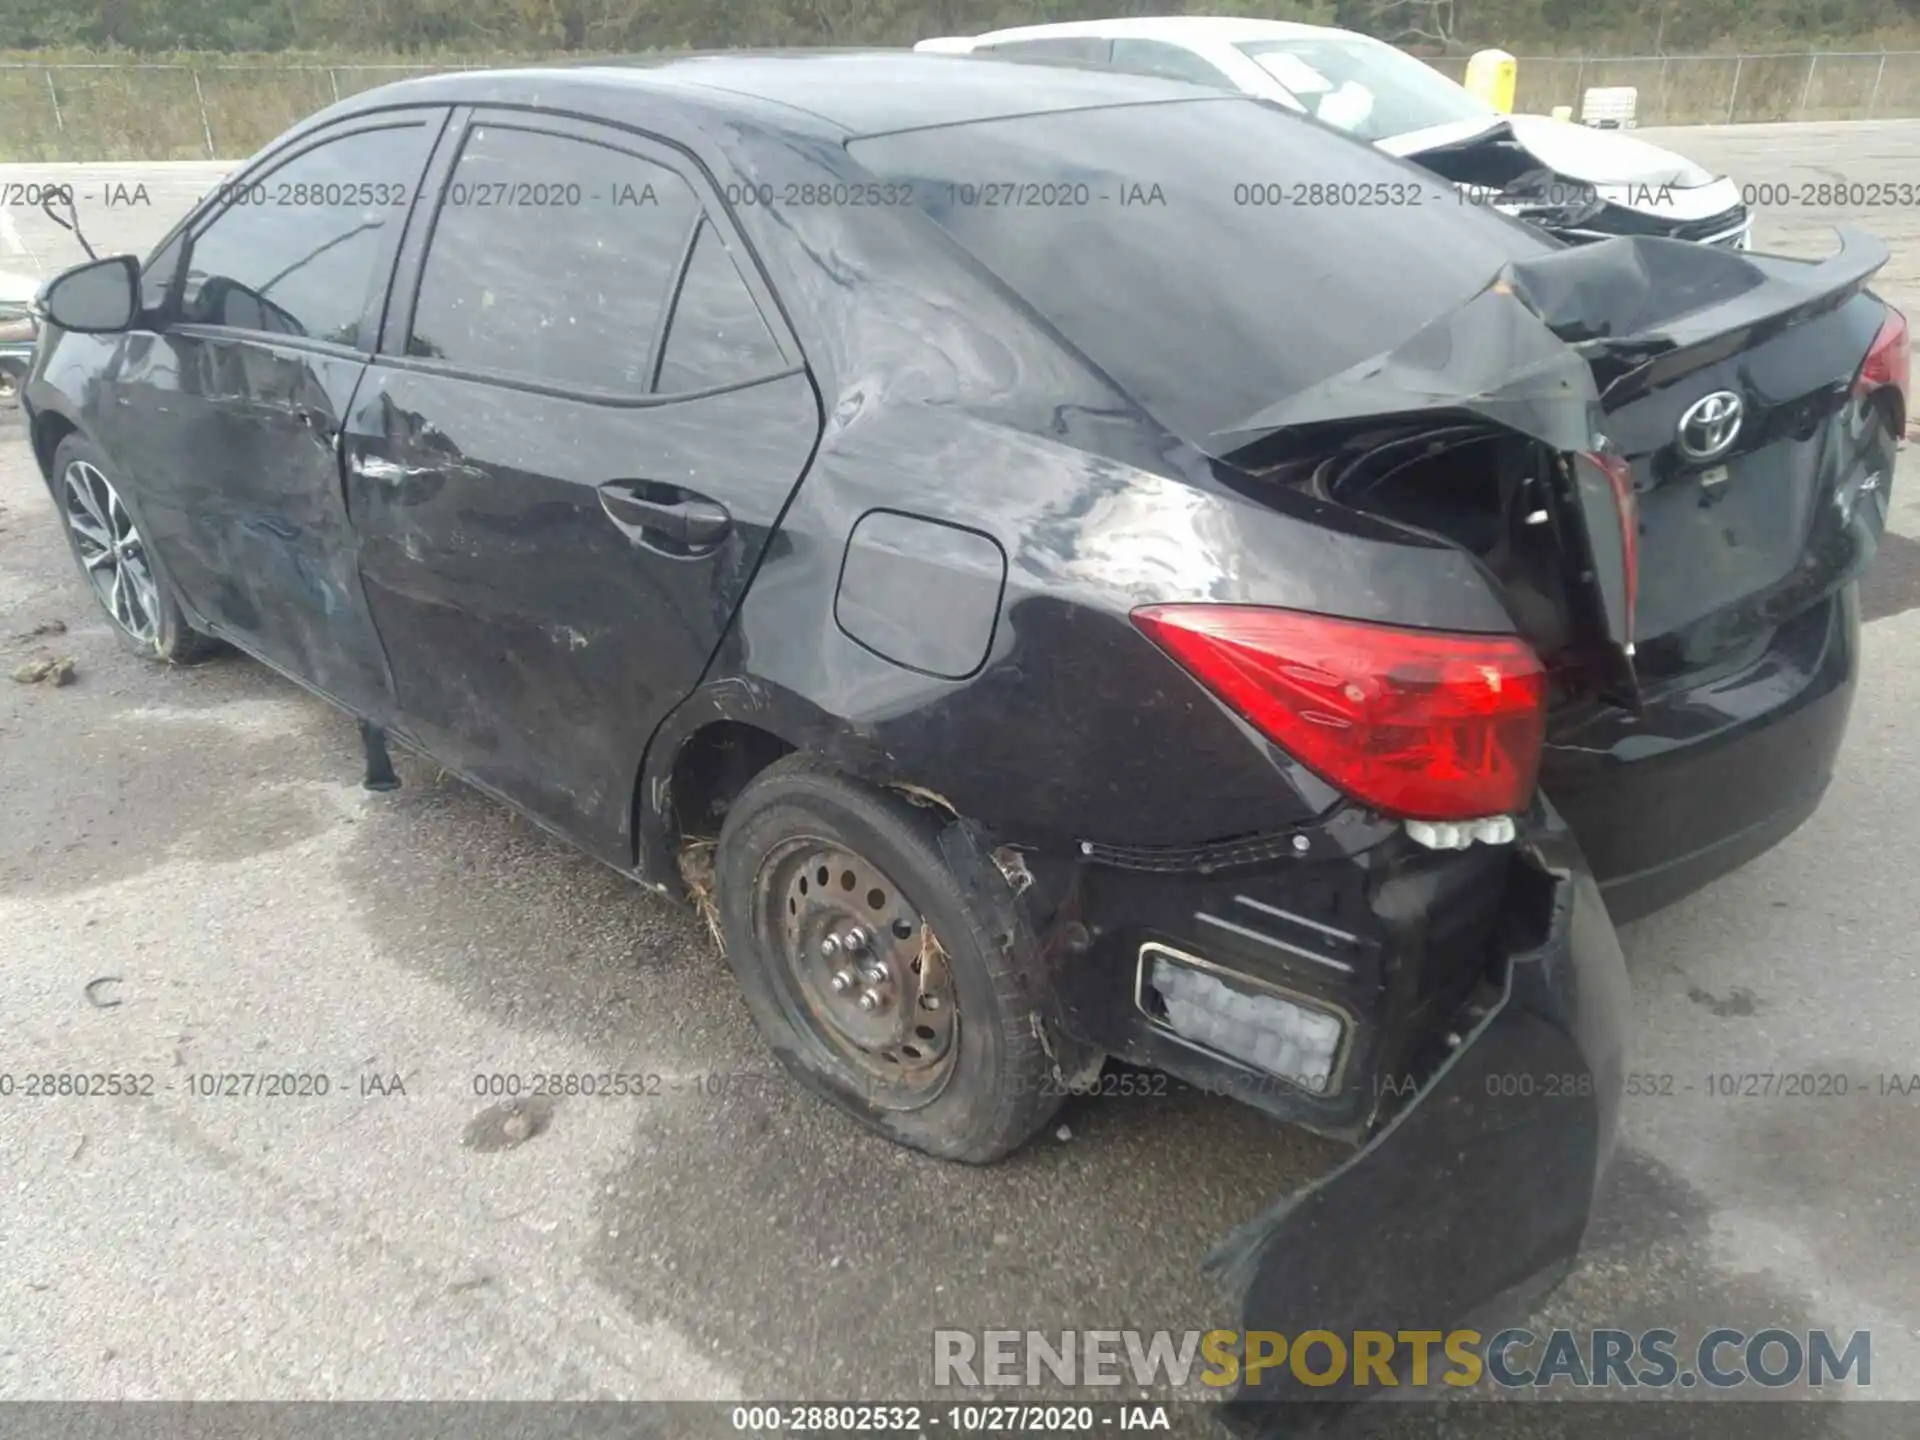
1423 724
1889 360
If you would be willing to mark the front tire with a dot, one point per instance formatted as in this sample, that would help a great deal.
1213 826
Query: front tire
871 964
114 560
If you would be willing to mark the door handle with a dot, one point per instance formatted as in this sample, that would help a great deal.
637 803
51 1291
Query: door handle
385 472
318 421
665 510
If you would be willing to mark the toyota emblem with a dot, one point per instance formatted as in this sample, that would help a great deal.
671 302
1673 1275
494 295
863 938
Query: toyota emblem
1711 425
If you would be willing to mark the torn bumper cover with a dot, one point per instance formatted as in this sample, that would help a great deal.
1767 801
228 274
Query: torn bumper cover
1472 1202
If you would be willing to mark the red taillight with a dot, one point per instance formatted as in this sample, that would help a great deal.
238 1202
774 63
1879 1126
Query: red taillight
1626 505
1418 723
1889 360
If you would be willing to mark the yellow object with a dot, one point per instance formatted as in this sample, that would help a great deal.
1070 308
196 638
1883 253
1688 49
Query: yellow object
1492 75
1563 112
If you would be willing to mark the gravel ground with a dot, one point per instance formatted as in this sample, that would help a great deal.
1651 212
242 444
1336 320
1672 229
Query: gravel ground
195 841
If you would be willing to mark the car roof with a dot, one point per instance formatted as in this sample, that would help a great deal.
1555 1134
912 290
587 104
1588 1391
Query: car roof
857 92
1225 29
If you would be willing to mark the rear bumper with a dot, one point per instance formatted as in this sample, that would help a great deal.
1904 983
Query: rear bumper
1482 1084
1473 1202
1396 941
1710 776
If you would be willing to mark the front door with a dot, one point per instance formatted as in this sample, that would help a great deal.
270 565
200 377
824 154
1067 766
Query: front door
228 412
564 465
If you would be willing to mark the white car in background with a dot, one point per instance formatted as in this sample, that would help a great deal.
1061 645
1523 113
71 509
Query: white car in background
1576 182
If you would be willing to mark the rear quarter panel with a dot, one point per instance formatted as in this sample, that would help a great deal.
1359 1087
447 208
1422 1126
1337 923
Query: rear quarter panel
948 399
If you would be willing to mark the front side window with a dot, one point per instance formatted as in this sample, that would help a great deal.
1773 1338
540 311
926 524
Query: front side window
1157 57
296 251
157 275
552 258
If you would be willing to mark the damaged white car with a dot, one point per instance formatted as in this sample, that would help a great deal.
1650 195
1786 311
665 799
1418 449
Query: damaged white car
1578 183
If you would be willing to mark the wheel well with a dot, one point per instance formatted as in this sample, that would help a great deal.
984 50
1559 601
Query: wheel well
49 429
715 764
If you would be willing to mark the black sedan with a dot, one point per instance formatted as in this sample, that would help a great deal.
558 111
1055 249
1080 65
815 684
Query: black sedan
1049 609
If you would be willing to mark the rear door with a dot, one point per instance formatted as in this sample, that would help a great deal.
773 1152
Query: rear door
568 457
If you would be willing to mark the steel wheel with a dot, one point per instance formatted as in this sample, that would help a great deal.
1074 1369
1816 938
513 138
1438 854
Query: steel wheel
111 552
868 973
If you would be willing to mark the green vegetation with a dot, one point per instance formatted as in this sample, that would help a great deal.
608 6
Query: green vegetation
204 79
495 27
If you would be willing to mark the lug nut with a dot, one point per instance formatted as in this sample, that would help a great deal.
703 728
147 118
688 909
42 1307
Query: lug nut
842 981
869 1000
875 973
857 938
830 947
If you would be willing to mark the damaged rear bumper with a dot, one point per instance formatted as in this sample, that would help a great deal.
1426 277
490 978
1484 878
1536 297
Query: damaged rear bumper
1473 1200
1489 1008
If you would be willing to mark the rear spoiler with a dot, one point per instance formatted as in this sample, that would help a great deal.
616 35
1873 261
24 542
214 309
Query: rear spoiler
1526 351
1626 309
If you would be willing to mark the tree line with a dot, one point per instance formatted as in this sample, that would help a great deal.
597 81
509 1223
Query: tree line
612 26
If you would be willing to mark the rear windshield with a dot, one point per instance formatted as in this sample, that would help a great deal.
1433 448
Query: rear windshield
1212 256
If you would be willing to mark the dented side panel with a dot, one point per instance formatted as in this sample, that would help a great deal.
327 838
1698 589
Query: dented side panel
232 441
536 643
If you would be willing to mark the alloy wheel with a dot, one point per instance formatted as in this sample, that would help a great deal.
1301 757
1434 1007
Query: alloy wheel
111 552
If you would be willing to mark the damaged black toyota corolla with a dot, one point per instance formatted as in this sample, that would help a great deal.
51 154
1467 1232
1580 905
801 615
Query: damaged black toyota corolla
1062 614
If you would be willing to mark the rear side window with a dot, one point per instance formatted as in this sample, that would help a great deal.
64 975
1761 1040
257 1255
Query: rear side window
552 258
1213 256
717 336
296 250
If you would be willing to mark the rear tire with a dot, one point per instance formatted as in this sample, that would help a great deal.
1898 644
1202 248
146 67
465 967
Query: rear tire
965 1077
113 559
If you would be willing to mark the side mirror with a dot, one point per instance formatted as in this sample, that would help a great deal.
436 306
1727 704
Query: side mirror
98 298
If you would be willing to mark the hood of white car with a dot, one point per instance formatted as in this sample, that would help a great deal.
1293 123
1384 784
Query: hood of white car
1606 159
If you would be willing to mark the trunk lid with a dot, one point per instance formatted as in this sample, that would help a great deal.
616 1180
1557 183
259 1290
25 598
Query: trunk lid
1760 478
1716 474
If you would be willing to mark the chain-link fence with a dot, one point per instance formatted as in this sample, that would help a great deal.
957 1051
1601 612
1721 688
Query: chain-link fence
1728 89
113 111
134 111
